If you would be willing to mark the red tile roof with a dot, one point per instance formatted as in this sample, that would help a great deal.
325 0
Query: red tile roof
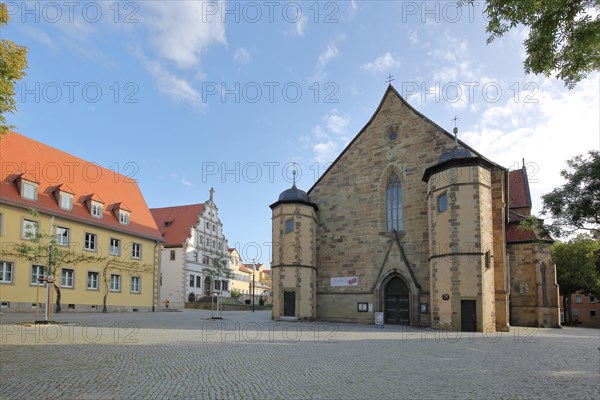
249 266
175 223
243 268
49 167
514 234
519 189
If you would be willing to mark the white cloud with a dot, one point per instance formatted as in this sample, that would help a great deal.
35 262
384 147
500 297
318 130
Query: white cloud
175 87
241 55
331 52
183 30
383 63
328 138
181 180
301 25
548 128
325 152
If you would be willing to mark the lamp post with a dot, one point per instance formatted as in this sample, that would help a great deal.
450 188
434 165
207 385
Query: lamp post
253 285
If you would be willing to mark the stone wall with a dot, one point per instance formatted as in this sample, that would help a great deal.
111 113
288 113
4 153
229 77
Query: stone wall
352 239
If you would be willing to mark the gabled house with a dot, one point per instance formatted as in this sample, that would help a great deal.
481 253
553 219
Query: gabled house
83 206
193 239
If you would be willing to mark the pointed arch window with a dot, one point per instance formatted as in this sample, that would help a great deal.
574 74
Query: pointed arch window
394 203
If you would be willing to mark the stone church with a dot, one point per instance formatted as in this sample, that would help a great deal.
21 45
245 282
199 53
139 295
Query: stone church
412 226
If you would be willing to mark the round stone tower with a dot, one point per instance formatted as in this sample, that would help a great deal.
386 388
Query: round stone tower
459 196
294 258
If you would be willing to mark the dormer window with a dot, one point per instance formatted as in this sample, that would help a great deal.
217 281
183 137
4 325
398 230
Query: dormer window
65 201
124 217
29 190
96 209
122 213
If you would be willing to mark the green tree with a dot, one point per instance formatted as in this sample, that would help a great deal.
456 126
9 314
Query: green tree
13 62
576 268
218 272
576 205
564 35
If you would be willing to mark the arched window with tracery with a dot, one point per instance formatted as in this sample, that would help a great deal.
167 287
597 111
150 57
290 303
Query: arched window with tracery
394 203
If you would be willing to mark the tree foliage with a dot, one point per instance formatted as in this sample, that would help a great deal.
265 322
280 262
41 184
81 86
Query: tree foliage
576 263
564 36
576 204
13 62
577 267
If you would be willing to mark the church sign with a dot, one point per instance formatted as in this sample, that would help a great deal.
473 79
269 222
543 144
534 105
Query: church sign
346 281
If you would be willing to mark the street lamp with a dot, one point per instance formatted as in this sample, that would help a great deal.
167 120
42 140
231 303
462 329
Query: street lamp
253 285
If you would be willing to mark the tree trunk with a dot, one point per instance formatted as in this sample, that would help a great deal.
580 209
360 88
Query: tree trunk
58 307
567 308
104 303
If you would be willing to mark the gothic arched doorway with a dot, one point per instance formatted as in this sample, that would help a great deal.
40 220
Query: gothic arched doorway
397 304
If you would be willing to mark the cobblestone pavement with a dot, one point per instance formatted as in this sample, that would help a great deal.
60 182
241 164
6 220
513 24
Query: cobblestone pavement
246 355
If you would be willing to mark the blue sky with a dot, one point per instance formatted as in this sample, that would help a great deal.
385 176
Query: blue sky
188 95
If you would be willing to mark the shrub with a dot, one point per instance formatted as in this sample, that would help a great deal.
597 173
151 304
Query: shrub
247 301
261 302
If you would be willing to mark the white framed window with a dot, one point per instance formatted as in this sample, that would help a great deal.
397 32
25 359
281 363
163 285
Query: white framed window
575 312
90 241
192 280
198 281
114 248
29 229
195 256
115 283
92 280
62 236
172 255
96 209
6 272
29 190
65 201
135 284
124 217
578 299
592 299
37 272
66 278
593 314
136 251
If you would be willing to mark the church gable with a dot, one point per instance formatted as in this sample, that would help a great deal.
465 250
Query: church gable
354 220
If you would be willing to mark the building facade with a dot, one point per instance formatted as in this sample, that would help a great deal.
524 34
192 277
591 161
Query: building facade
193 240
585 310
244 276
105 241
408 223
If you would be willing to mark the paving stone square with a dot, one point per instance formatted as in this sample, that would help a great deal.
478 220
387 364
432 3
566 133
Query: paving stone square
188 355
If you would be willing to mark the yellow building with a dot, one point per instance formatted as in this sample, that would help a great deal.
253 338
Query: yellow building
104 236
241 278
